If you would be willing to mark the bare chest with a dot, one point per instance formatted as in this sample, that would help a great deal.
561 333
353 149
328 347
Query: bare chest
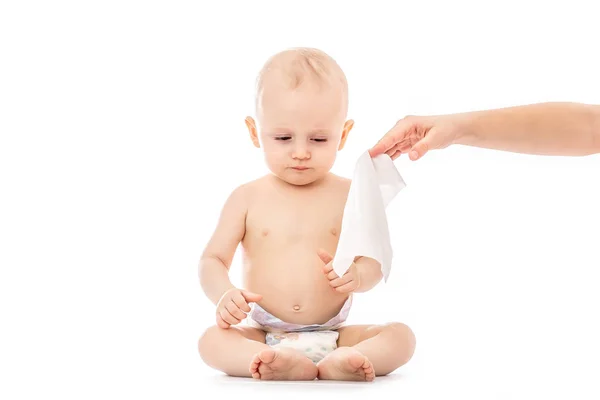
294 221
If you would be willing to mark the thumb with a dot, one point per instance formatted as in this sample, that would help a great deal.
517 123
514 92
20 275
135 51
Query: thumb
324 256
429 142
251 297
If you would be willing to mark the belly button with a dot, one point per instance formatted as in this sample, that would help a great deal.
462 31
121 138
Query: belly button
296 308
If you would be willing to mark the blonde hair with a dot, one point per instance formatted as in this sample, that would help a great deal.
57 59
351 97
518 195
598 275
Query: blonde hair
299 64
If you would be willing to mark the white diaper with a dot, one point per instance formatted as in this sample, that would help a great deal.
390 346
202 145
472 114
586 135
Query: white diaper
315 341
315 345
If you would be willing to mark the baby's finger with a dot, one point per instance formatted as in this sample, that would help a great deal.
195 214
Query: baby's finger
324 256
234 310
227 317
240 301
332 275
348 287
327 268
341 281
221 323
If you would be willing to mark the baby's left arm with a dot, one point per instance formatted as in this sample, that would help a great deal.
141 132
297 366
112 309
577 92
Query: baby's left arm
362 276
369 272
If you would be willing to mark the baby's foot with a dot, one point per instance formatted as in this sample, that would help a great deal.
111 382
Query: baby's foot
346 364
282 364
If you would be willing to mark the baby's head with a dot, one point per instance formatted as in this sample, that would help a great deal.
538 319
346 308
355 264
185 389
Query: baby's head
301 109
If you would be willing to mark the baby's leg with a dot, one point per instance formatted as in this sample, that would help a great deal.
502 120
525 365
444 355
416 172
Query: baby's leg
231 350
368 350
241 351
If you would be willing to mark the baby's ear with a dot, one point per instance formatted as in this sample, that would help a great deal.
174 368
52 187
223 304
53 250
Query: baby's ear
253 131
347 127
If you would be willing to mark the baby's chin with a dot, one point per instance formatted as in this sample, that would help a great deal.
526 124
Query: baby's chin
300 179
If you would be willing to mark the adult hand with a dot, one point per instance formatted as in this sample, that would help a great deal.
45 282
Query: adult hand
417 135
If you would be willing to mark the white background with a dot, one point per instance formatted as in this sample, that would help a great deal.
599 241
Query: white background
122 133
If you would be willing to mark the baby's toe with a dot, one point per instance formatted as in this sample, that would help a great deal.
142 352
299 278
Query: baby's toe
267 356
254 365
357 361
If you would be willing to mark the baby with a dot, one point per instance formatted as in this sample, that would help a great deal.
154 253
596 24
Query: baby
288 224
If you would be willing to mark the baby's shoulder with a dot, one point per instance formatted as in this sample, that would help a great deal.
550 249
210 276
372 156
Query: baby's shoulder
246 191
339 183
255 185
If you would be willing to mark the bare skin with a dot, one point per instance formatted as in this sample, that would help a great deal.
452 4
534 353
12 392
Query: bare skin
554 129
284 266
366 351
282 364
288 226
346 364
231 350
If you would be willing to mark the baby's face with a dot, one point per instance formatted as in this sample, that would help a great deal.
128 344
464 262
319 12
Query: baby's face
301 131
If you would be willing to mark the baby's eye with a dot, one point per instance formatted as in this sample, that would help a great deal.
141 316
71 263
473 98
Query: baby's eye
320 140
283 138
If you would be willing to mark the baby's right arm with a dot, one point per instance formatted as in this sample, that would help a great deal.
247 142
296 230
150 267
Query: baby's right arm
232 303
218 253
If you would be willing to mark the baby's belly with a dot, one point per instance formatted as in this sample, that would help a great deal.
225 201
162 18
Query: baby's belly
292 283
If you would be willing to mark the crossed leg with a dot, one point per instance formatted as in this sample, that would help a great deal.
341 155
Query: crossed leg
241 351
366 351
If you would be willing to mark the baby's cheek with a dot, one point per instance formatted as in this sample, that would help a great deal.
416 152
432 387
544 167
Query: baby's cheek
327 156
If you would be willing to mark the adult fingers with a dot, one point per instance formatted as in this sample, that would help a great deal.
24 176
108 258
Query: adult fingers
394 149
392 137
431 140
428 142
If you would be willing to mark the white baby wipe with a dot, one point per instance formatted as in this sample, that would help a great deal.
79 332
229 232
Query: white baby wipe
365 230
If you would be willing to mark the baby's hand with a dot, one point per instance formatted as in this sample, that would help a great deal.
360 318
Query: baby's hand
349 282
233 306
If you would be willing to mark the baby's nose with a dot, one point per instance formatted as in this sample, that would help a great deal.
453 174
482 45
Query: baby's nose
301 153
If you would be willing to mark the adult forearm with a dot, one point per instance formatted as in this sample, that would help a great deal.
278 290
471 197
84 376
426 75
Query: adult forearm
214 278
570 129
